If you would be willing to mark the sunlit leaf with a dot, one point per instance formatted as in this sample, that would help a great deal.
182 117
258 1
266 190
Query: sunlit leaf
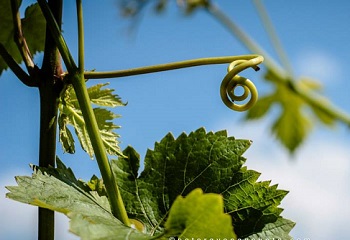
199 215
104 96
70 114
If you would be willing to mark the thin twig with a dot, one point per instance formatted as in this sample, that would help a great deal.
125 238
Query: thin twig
243 37
271 32
16 69
80 36
19 38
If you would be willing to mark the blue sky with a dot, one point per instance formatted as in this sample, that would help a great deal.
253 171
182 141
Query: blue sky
316 37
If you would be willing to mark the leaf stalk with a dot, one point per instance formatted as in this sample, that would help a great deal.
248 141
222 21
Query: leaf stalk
117 205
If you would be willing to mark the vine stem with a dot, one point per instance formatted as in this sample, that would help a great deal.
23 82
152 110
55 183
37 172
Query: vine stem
78 82
49 89
167 66
115 199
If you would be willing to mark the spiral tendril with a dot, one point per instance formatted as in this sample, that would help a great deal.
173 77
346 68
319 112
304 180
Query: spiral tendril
232 80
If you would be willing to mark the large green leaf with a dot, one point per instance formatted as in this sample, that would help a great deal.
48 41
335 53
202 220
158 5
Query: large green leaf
70 114
59 190
33 26
210 161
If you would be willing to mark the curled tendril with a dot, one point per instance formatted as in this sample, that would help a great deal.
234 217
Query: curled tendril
233 80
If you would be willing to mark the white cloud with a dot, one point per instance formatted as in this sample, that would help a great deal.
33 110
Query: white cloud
319 65
317 179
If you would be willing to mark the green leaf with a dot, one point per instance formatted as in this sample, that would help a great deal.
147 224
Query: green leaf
199 215
96 184
58 189
33 26
210 161
70 114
